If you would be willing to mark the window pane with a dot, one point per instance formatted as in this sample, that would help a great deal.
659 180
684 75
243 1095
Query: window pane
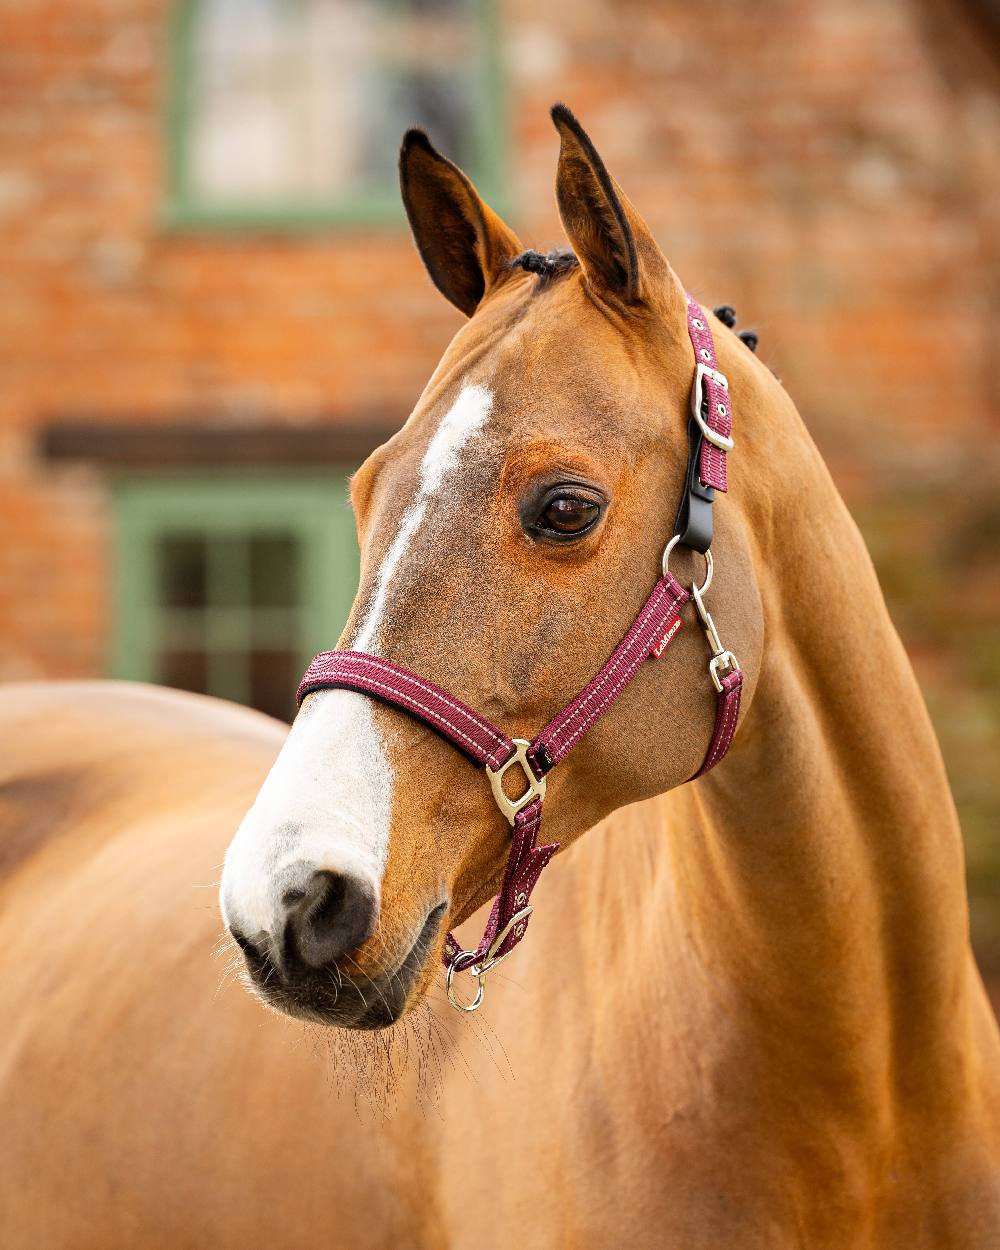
224 577
182 575
305 102
185 670
274 571
228 675
227 570
274 677
183 629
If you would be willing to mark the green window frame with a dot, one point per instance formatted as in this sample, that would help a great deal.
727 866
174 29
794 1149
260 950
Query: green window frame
229 509
183 209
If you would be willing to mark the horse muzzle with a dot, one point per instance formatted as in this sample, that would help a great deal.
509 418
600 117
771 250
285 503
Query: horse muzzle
309 970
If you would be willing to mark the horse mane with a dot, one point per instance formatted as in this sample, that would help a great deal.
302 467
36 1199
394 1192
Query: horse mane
551 264
561 260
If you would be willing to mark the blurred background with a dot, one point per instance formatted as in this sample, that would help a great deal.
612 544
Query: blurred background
210 309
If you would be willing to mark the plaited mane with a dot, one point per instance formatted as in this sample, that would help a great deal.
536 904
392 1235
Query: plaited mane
560 260
551 264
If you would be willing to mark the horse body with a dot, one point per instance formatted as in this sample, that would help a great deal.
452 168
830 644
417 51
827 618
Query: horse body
144 1103
633 1082
746 1013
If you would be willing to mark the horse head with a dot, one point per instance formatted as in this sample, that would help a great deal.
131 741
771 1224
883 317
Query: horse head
509 534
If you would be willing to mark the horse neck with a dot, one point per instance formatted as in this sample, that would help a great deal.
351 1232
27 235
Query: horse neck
816 876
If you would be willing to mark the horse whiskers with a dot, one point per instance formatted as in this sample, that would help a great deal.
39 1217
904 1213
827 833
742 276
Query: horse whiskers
229 974
364 1001
374 1066
337 984
390 969
375 987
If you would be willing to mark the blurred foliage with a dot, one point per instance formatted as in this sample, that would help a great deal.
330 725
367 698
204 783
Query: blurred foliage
934 539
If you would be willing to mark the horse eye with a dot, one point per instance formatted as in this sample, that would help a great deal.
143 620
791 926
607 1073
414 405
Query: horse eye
568 516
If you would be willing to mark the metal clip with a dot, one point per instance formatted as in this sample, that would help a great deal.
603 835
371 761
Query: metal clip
721 658
536 785
490 961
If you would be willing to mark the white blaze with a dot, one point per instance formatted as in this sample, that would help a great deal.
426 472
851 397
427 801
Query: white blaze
328 797
326 801
464 419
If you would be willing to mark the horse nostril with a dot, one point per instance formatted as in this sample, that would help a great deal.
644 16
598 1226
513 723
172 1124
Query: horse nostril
246 946
333 914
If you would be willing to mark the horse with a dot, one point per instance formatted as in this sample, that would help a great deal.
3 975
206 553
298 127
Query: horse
746 1012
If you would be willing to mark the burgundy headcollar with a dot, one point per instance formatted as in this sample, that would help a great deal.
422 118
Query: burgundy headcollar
709 437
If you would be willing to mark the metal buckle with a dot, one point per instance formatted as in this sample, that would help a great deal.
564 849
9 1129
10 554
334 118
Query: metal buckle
721 657
536 785
490 961
698 399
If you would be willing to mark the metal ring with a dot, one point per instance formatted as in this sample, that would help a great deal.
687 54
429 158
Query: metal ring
666 552
709 571
449 979
709 563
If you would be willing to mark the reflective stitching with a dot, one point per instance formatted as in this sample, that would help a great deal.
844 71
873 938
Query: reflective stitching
407 698
712 460
357 657
524 866
727 713
609 673
344 660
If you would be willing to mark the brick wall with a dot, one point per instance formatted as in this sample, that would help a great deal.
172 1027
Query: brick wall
828 166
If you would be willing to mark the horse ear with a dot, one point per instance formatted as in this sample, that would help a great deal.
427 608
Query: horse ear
463 243
613 243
